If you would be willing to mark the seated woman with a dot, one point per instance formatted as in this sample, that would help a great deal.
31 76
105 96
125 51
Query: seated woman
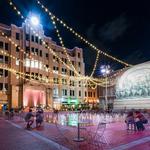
29 118
138 120
130 121
39 118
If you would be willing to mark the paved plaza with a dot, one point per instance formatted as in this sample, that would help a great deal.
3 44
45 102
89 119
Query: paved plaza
49 137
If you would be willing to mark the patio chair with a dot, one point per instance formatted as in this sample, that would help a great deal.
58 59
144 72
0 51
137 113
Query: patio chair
65 135
96 138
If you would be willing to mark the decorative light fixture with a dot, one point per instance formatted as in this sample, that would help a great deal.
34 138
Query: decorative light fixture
35 20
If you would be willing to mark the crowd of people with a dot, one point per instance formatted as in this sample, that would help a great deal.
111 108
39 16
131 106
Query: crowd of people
136 120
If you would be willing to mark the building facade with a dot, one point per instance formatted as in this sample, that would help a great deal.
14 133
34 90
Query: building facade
33 74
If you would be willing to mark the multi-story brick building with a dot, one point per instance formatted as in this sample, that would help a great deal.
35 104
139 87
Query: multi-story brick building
40 78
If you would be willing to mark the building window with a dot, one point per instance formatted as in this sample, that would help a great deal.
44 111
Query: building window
79 64
27 75
36 76
79 93
79 55
27 37
17 49
1 58
40 65
1 72
1 86
36 39
85 94
32 49
79 83
27 49
36 64
55 69
32 75
32 38
36 51
94 94
6 59
64 71
71 83
27 62
41 53
55 91
40 41
32 63
6 46
71 73
6 73
1 44
17 62
64 81
55 80
64 92
71 92
17 36
73 63
46 55
46 45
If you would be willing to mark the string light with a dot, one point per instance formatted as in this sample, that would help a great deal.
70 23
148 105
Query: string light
78 35
61 42
57 19
11 56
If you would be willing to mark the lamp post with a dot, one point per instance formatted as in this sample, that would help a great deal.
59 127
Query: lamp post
105 70
4 89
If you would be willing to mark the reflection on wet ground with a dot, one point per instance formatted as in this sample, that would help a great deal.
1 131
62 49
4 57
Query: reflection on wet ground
72 118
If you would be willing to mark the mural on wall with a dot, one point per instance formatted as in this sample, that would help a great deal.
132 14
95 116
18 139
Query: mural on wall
134 83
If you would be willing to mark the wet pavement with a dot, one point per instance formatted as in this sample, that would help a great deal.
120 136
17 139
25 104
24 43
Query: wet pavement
14 138
118 138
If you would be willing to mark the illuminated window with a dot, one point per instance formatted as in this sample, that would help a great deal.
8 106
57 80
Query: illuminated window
32 63
55 91
36 64
27 62
17 62
40 65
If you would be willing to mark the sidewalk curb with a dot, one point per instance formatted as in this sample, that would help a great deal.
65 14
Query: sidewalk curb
56 145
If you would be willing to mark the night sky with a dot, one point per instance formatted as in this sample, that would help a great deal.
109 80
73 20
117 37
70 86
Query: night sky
119 27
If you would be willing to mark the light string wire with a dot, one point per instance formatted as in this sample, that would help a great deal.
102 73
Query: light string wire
62 44
30 57
19 13
32 77
78 35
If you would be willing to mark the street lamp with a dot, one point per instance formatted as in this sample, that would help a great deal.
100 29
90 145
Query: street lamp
34 20
105 70
4 89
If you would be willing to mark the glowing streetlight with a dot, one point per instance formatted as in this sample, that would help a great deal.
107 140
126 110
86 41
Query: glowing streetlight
34 20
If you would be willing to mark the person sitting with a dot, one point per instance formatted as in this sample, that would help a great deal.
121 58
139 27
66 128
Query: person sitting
138 120
29 118
39 118
130 121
